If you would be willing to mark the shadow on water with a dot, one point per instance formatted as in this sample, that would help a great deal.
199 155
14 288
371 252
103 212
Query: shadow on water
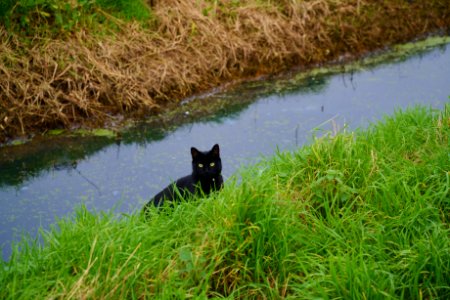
49 176
22 163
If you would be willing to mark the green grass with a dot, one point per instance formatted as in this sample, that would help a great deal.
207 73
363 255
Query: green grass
56 17
362 215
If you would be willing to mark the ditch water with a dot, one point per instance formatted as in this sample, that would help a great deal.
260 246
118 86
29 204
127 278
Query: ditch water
46 179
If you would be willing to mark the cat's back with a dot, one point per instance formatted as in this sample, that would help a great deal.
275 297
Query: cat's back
181 186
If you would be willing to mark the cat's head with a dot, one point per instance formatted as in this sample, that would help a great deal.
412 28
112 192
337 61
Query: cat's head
206 163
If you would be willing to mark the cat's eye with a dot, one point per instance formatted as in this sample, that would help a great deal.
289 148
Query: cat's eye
212 164
200 165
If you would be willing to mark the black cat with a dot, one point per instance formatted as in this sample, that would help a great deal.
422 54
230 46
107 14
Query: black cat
205 178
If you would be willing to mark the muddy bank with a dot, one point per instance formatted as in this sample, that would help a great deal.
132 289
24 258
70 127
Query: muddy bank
89 80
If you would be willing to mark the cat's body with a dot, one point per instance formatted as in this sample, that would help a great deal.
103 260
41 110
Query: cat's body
205 178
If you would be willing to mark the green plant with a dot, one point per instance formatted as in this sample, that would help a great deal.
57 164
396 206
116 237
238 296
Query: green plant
57 16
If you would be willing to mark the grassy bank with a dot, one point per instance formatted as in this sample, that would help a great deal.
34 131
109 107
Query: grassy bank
86 63
353 215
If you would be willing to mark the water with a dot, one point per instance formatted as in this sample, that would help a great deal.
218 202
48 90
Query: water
47 179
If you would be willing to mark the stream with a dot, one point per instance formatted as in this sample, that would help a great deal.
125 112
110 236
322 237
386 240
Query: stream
46 179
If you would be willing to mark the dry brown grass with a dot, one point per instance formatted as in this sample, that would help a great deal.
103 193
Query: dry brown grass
89 80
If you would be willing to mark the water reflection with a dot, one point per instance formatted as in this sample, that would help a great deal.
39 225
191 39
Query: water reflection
50 177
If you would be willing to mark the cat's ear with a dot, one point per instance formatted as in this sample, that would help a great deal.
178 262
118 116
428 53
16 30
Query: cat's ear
215 150
194 152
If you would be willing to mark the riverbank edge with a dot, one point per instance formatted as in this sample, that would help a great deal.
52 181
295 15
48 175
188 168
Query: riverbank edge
206 105
89 81
351 214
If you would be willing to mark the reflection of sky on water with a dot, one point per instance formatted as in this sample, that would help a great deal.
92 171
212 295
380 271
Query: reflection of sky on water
126 176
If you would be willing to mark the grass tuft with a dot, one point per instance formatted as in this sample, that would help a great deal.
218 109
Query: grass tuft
51 18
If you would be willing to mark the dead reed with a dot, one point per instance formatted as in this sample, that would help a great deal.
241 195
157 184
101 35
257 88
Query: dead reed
88 79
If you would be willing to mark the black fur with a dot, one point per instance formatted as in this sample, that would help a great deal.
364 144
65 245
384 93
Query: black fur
205 178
